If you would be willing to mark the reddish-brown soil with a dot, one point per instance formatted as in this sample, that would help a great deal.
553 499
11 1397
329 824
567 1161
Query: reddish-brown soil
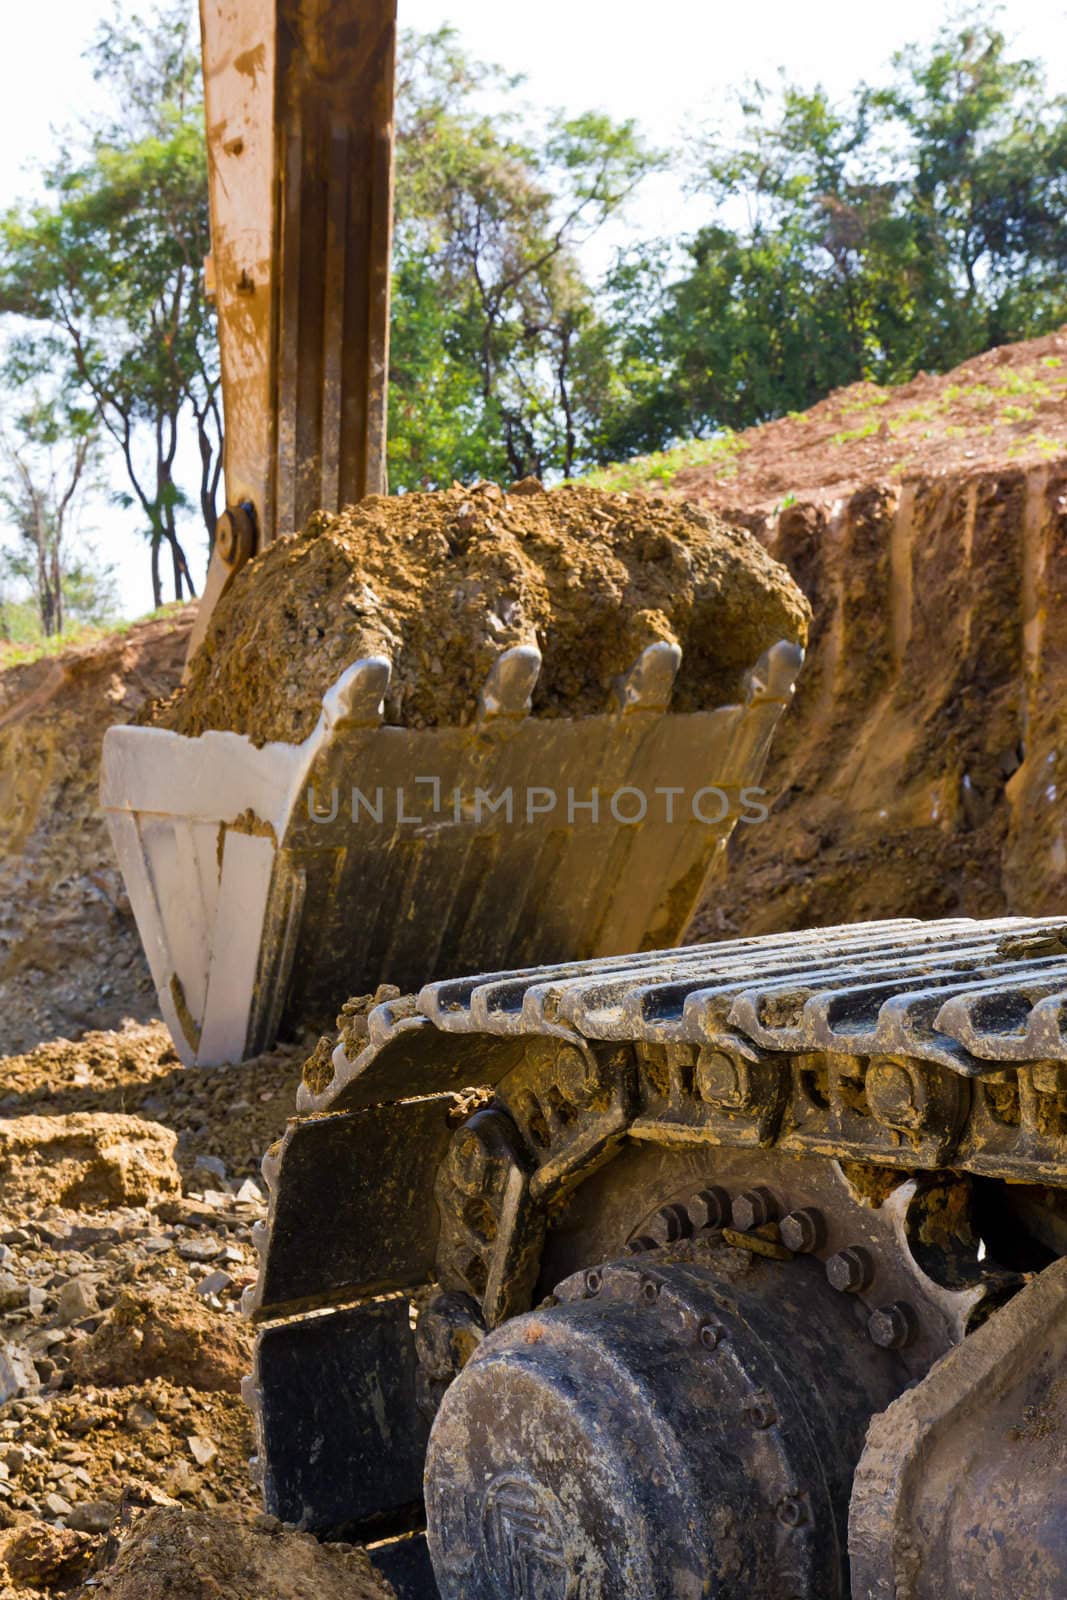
70 958
123 1254
920 771
1006 408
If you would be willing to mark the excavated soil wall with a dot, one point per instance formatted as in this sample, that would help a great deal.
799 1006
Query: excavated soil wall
922 769
70 958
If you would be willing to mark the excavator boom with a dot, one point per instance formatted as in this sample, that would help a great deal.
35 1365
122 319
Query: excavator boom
299 111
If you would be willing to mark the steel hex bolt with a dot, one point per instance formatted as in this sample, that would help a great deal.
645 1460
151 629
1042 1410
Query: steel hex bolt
850 1270
761 1413
754 1209
792 1512
709 1208
803 1231
670 1223
892 1326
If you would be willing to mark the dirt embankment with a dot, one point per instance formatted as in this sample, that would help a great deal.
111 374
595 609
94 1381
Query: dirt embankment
128 1192
70 958
442 583
922 769
1005 408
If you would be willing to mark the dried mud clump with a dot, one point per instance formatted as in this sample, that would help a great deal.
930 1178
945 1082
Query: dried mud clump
442 583
150 1333
200 1555
86 1159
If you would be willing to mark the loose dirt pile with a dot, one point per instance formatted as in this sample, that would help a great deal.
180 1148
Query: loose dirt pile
206 1557
70 958
85 1160
442 583
125 1246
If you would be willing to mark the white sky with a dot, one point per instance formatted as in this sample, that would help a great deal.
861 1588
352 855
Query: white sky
665 62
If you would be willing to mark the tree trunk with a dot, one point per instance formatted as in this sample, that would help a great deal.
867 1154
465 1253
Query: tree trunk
182 575
57 590
157 585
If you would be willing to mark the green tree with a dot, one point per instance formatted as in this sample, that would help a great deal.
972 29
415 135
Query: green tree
106 274
490 302
49 459
982 192
914 226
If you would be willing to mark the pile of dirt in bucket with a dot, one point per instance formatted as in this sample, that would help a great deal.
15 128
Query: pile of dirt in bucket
442 583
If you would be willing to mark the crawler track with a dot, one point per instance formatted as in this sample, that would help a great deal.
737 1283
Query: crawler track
502 1133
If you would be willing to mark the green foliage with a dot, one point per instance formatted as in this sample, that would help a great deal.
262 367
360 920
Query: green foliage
105 273
917 225
494 343
49 454
659 469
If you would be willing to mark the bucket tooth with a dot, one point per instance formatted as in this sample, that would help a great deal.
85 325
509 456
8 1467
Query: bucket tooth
509 688
775 674
648 684
356 699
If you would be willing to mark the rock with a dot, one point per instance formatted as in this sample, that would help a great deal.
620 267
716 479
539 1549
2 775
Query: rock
139 1418
250 1194
214 1283
199 1249
77 1299
211 1164
86 1160
179 1213
171 1553
153 1333
202 1449
13 1294
41 1556
56 1506
92 1516
18 1375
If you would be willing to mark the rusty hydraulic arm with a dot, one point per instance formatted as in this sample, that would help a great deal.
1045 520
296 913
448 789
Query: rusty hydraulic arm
299 109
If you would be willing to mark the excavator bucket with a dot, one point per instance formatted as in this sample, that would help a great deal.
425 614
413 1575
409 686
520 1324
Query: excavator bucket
270 884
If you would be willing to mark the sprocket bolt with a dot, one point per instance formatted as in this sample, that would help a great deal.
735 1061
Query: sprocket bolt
754 1209
803 1231
671 1222
593 1282
892 1326
649 1291
851 1270
709 1208
710 1335
791 1511
761 1413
